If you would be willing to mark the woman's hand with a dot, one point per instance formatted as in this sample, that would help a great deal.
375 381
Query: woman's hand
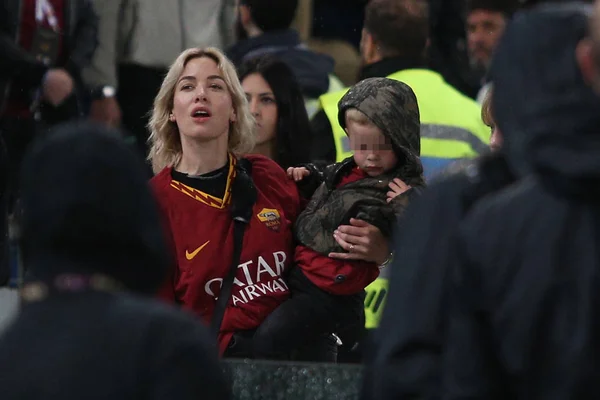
298 173
397 187
363 241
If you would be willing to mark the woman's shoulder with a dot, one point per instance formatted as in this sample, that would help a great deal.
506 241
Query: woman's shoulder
267 172
160 183
264 164
162 179
272 181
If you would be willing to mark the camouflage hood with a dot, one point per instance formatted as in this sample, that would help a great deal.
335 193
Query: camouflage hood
392 106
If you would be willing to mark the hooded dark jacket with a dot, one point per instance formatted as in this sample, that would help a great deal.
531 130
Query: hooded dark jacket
392 107
524 307
311 69
88 215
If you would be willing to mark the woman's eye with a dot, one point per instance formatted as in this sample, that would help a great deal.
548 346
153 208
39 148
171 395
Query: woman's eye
268 100
186 87
215 86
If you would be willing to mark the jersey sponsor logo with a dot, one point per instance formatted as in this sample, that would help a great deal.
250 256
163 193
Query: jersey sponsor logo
257 278
190 256
271 218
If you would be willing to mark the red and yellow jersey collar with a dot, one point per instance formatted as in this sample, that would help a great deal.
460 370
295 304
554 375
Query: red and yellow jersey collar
206 198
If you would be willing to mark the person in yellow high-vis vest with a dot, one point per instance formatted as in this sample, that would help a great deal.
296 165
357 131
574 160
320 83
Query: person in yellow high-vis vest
394 41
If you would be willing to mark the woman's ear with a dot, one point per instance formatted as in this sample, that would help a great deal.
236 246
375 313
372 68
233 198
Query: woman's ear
172 117
233 117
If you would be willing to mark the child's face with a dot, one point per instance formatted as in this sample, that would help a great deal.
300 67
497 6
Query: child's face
373 151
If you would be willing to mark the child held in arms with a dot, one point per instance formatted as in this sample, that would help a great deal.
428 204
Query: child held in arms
381 118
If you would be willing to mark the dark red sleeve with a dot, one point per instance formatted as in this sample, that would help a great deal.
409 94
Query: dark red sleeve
159 188
270 178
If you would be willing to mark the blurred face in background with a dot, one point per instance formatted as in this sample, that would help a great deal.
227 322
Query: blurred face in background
484 29
263 107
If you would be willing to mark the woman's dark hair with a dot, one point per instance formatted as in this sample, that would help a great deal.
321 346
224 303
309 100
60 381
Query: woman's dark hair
292 139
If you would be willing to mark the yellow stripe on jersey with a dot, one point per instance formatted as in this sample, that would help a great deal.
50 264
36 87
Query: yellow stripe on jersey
206 198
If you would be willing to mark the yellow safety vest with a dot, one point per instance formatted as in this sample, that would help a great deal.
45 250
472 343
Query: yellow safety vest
451 129
313 105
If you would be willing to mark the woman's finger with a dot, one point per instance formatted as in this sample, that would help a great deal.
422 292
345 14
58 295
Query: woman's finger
395 188
346 256
353 230
350 239
360 223
350 247
401 183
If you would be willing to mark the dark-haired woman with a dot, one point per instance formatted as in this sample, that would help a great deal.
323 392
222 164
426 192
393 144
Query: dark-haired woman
277 104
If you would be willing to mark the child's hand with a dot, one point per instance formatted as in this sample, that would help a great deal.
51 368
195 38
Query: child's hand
397 188
297 174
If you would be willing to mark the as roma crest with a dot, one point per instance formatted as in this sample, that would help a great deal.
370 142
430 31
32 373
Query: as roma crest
271 218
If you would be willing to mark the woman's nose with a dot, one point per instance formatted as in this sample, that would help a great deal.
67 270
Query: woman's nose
200 94
254 109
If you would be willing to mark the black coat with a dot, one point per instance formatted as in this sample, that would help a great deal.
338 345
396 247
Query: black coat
525 311
404 360
87 210
107 346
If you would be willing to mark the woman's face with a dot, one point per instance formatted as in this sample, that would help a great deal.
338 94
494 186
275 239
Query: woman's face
202 105
262 106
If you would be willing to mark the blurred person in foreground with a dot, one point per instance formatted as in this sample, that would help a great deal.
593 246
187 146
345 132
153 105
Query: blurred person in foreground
92 242
404 357
524 311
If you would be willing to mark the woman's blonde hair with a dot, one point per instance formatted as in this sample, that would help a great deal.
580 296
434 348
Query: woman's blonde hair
165 150
487 114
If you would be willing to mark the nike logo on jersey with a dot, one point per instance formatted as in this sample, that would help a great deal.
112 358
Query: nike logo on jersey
190 256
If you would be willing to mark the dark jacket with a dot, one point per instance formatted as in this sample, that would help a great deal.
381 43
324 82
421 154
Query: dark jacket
15 63
404 358
330 207
524 305
88 218
311 69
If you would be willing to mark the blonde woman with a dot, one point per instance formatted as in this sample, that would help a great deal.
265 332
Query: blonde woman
200 128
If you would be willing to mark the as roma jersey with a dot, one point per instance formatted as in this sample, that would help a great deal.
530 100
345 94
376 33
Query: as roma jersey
200 229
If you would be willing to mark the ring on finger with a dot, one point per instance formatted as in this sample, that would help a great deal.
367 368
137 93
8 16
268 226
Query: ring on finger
351 247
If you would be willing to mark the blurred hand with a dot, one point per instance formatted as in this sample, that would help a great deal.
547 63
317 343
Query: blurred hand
57 86
297 174
362 241
106 111
397 187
